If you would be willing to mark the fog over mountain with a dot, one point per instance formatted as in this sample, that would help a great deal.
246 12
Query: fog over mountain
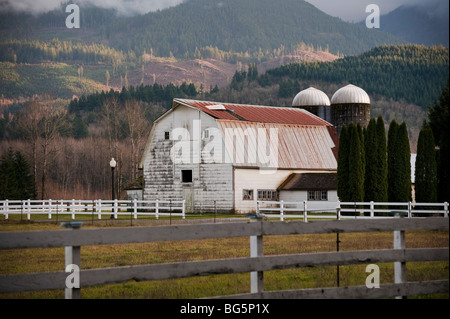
123 7
347 10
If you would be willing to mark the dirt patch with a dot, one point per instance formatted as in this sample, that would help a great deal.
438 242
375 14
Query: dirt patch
209 72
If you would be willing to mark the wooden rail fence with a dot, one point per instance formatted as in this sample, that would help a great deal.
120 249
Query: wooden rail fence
347 210
96 208
256 264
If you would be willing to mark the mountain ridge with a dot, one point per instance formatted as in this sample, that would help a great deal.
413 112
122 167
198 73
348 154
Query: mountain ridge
231 25
432 29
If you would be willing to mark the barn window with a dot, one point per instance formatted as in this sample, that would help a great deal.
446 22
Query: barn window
167 135
317 195
267 194
186 176
247 194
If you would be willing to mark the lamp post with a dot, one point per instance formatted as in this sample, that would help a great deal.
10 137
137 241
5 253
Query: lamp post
113 164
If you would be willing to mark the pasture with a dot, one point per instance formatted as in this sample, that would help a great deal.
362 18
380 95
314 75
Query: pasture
52 259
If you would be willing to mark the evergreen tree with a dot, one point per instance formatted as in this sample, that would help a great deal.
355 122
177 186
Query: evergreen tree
399 163
371 174
426 168
381 194
356 165
80 129
16 180
343 161
438 116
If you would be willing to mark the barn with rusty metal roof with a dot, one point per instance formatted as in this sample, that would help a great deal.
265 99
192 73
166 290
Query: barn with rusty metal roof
224 157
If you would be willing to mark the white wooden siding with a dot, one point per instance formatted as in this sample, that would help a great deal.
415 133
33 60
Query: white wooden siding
212 185
254 179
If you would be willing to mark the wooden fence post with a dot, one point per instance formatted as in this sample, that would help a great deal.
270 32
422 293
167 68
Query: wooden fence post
372 207
28 209
399 267
256 250
5 209
305 211
73 262
135 208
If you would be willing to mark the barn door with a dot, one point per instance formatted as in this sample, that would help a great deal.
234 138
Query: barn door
188 196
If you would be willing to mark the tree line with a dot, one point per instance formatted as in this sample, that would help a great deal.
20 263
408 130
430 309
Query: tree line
24 51
413 73
373 168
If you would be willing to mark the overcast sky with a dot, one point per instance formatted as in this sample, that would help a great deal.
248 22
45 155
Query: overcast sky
347 10
355 10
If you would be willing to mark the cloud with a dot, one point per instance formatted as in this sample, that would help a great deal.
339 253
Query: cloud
125 7
355 10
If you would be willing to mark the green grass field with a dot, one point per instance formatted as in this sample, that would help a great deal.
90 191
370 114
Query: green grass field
52 259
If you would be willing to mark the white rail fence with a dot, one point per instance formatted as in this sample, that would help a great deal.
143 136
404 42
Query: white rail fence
111 208
347 210
256 264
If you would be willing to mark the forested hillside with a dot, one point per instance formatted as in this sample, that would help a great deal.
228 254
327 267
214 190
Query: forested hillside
433 26
412 73
254 27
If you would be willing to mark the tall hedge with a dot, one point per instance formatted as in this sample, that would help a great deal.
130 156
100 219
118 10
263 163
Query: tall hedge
399 163
343 160
355 164
426 168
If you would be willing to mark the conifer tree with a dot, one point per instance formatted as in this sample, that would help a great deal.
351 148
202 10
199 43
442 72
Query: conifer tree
426 168
438 116
16 179
371 177
399 163
355 165
342 171
381 166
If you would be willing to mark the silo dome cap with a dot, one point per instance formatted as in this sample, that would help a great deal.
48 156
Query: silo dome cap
350 94
311 97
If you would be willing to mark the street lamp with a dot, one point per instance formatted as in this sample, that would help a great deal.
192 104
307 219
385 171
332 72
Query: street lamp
113 164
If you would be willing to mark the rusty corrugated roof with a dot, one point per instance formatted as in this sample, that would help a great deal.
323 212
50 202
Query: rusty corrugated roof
277 145
257 113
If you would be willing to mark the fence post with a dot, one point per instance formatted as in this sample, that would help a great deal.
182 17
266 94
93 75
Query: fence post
409 210
135 208
72 208
305 208
372 207
5 209
338 211
49 209
72 263
115 208
98 208
399 267
256 250
281 211
183 210
446 209
157 209
28 209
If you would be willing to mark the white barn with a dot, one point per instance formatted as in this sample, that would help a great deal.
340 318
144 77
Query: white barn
224 157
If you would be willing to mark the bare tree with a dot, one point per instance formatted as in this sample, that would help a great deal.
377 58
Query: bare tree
137 126
51 122
40 125
28 120
111 120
